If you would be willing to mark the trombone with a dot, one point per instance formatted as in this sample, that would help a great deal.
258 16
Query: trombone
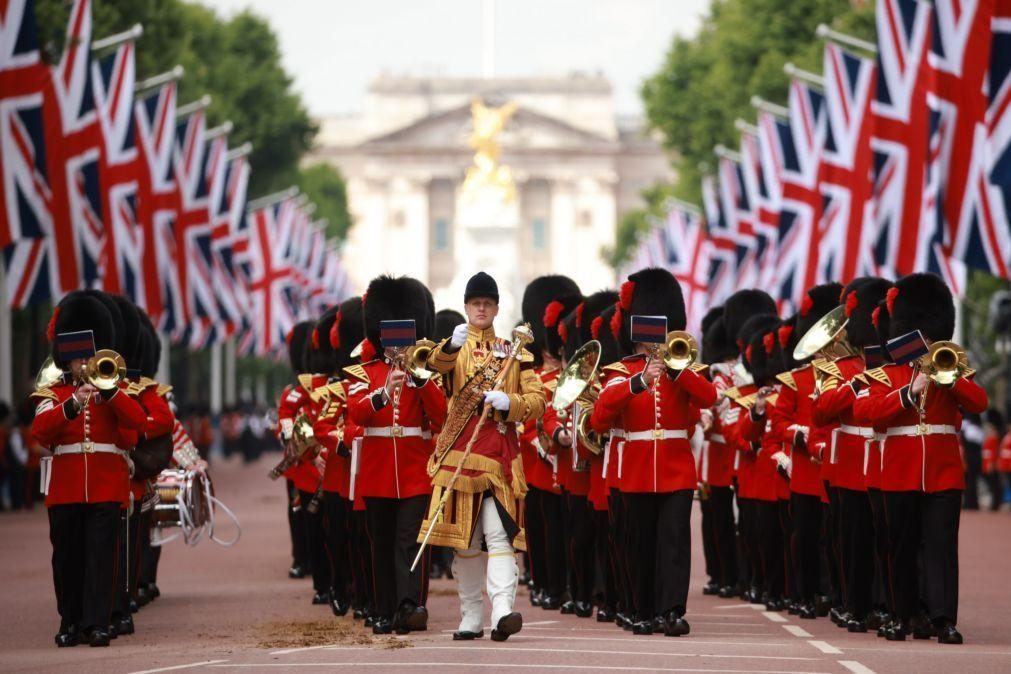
105 369
413 360
944 363
679 351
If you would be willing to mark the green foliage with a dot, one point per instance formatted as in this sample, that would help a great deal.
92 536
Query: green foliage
324 185
706 81
236 60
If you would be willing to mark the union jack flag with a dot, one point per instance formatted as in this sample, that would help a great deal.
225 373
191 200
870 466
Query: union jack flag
772 134
229 181
114 77
903 235
272 308
60 228
995 212
738 215
688 260
800 145
847 226
157 201
722 272
764 201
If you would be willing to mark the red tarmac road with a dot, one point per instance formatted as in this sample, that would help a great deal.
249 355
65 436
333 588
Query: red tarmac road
234 609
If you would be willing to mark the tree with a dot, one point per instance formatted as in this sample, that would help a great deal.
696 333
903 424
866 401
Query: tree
324 185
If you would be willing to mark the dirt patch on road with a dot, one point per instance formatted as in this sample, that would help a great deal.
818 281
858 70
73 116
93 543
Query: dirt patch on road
301 633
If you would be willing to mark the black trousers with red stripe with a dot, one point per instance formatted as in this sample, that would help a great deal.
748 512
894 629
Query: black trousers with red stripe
338 537
620 550
85 541
581 547
361 562
393 530
555 541
315 538
534 518
720 507
807 516
659 533
856 534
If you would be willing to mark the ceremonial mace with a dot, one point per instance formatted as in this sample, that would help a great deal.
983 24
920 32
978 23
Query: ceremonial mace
522 335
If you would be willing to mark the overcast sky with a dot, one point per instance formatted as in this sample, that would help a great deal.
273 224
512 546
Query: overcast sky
335 47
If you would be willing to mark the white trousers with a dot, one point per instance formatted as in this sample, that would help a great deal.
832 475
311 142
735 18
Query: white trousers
502 571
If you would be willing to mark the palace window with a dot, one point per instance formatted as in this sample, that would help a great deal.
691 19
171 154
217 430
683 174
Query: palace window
440 235
539 233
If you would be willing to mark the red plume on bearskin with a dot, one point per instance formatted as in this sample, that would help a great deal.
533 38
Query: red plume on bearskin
563 332
851 303
625 294
315 339
368 351
579 314
335 335
806 305
785 331
616 320
749 352
289 336
876 317
51 328
552 313
595 326
769 342
893 293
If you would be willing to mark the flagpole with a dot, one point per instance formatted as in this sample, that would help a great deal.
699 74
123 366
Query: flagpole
262 202
229 372
745 127
773 109
826 33
218 131
6 341
183 111
241 151
804 75
164 363
131 33
725 153
150 83
216 380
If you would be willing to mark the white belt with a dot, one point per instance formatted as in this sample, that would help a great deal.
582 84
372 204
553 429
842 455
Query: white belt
658 434
716 437
89 448
922 429
863 431
617 432
397 432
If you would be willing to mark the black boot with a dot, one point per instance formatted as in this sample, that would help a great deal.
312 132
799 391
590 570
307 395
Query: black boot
507 626
67 637
676 626
947 634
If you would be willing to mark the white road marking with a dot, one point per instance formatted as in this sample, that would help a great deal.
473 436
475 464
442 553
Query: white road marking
824 647
511 665
757 607
666 654
541 622
301 649
689 641
798 631
774 617
177 667
856 667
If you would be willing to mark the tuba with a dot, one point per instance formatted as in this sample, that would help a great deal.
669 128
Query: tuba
944 363
680 350
826 337
575 382
105 369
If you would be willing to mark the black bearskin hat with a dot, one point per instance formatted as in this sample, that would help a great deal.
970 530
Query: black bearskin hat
651 292
788 338
151 357
716 345
921 302
817 302
82 310
600 330
741 306
590 309
133 342
347 331
118 322
322 356
445 321
752 334
298 341
554 312
860 298
569 332
538 294
391 298
882 323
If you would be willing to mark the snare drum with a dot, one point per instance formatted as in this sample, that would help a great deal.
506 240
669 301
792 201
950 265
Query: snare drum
182 498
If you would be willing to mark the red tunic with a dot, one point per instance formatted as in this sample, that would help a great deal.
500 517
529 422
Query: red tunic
991 446
615 447
744 459
295 400
669 408
793 409
918 462
336 452
850 442
537 469
88 477
1004 455
717 468
754 436
391 466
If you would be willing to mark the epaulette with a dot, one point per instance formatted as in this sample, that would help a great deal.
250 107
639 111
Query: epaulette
746 401
830 368
164 390
147 382
45 393
134 389
771 400
305 381
357 372
551 385
698 368
787 379
879 375
968 372
618 367
332 390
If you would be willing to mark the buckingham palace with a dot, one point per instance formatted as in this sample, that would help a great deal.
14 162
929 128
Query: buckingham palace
573 164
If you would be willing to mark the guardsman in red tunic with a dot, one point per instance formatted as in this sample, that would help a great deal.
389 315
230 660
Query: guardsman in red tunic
791 418
993 428
751 439
398 413
305 475
850 450
659 410
716 472
90 432
738 309
922 476
612 368
336 333
543 502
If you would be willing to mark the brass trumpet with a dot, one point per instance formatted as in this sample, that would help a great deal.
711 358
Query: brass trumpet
105 369
303 439
416 359
944 363
680 350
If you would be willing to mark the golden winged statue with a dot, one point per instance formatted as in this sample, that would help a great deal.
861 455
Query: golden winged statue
486 173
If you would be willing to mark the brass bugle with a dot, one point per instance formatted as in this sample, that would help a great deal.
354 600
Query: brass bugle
416 359
105 369
680 350
943 363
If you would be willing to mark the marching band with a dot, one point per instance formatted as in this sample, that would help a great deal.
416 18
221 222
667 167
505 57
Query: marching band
822 448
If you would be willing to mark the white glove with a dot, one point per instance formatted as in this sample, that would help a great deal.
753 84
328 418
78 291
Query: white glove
497 399
459 337
287 427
